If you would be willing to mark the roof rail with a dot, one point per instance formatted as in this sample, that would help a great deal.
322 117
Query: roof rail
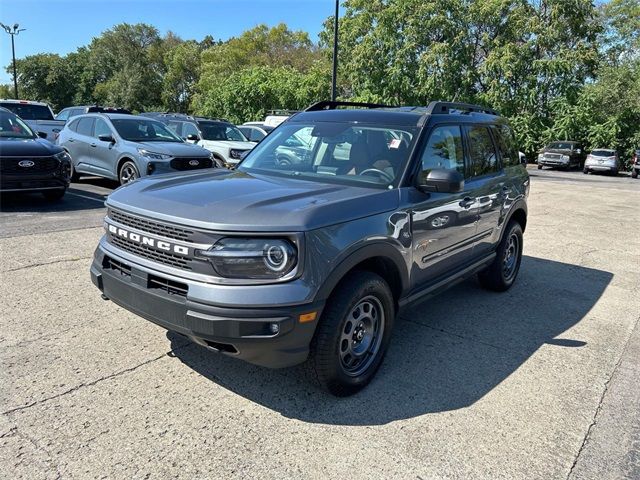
437 107
332 105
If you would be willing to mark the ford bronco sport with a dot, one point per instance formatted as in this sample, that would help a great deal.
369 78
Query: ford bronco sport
278 264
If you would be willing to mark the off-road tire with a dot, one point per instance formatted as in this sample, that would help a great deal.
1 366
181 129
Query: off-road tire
326 364
497 277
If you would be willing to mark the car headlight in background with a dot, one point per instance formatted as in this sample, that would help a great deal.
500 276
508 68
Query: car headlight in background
252 258
565 158
63 157
237 154
154 155
541 156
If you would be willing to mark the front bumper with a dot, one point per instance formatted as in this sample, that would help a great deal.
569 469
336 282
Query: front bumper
554 163
34 182
600 167
239 331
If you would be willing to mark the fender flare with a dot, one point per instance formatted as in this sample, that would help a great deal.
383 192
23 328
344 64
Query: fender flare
372 250
519 204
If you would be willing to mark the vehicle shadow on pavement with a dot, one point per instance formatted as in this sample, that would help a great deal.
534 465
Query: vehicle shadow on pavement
75 199
446 353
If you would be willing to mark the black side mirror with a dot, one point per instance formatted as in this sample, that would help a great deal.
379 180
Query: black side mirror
107 138
193 137
42 134
442 181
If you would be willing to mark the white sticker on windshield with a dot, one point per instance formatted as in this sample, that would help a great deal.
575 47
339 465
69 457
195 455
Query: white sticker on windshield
395 143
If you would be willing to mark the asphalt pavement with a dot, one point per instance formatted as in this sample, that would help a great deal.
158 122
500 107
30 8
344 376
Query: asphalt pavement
538 382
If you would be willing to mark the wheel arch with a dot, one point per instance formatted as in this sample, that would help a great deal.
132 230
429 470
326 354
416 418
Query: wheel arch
380 258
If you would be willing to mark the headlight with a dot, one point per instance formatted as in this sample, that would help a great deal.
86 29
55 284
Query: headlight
252 258
237 154
565 158
63 157
541 156
153 155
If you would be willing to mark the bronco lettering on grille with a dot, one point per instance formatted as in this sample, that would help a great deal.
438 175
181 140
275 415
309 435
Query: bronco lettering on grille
144 240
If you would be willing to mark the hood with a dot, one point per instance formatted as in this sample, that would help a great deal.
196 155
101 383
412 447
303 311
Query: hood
238 201
227 144
27 147
177 149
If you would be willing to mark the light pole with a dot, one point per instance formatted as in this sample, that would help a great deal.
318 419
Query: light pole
335 54
13 31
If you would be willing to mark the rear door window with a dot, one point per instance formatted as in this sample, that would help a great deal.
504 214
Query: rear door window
85 126
484 160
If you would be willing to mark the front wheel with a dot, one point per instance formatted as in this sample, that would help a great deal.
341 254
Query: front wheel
353 335
502 272
585 171
128 173
539 167
634 173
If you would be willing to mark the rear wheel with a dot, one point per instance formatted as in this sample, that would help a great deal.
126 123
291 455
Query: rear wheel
503 271
128 173
54 195
353 334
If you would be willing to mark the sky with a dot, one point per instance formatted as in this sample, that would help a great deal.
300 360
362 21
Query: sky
61 26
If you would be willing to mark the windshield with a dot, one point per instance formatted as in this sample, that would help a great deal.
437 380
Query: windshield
370 155
603 153
29 112
561 146
13 127
220 131
143 130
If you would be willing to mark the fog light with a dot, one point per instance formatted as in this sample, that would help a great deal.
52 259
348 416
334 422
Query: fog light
150 168
274 328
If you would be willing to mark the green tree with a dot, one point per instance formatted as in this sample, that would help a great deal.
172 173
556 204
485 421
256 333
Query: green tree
182 64
46 77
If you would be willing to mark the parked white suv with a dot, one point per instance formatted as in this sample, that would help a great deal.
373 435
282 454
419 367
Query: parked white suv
223 139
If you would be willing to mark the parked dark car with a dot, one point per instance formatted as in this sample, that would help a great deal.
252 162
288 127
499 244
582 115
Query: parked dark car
29 163
70 112
564 155
278 264
635 164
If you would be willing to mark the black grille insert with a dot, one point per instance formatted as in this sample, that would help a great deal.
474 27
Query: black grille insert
195 163
112 264
169 286
35 165
139 223
166 258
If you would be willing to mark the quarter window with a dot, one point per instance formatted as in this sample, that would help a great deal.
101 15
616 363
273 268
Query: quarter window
482 152
506 144
444 150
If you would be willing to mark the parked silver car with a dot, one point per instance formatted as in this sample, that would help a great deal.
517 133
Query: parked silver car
602 160
125 147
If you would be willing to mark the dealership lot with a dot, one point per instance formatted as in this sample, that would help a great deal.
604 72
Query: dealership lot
538 382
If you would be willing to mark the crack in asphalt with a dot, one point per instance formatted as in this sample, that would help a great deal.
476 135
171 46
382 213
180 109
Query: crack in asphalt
82 385
594 421
50 458
470 339
40 264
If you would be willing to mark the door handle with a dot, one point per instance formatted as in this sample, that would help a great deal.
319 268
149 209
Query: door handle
93 145
71 140
467 202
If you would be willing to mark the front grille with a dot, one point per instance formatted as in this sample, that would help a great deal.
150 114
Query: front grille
150 226
552 156
11 165
169 286
166 258
184 163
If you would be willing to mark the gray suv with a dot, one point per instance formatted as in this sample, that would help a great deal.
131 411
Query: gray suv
125 147
278 264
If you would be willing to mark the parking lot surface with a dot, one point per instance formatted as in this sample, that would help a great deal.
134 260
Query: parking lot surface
537 382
